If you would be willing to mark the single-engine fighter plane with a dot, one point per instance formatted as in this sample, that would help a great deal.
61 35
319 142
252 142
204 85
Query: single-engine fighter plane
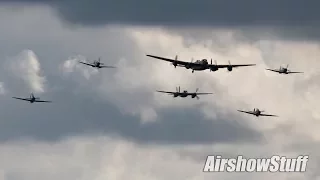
96 64
184 93
199 65
283 70
257 112
32 99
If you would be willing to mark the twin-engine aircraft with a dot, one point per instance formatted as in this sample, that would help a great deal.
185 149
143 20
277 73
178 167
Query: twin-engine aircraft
32 99
283 70
184 93
96 64
257 112
199 65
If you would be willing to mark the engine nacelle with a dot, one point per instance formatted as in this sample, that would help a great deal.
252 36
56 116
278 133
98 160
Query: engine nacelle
193 95
229 68
188 66
175 95
214 68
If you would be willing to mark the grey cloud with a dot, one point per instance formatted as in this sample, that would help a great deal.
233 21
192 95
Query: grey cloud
288 18
216 12
76 114
76 108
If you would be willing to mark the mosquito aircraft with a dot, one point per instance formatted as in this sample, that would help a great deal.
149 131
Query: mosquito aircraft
32 99
184 93
257 112
199 65
283 70
96 64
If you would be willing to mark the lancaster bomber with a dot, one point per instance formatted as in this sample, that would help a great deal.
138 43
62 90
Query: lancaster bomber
184 93
199 65
283 70
257 112
96 64
32 99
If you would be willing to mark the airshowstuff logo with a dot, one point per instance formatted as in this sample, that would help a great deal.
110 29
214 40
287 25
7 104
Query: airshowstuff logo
273 164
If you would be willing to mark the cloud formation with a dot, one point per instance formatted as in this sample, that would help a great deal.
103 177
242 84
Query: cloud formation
216 12
292 19
27 67
96 126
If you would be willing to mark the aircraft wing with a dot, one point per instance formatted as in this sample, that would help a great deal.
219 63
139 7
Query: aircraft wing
232 65
24 99
168 92
248 112
268 115
171 60
291 72
42 101
203 93
87 64
107 67
274 70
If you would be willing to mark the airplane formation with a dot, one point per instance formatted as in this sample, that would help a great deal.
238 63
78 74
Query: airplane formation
198 65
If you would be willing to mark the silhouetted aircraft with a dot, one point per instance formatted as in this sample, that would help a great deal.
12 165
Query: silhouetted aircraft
257 112
283 70
97 64
32 99
199 65
184 93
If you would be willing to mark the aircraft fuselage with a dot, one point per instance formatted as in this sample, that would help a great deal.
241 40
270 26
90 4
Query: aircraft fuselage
283 71
256 112
181 94
198 65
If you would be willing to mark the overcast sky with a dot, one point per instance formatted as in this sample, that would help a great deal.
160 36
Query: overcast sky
111 124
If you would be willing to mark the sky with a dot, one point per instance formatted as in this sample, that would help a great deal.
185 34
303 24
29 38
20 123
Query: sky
112 124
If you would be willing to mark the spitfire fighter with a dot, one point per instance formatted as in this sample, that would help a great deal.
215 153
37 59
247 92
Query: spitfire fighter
257 112
32 99
97 64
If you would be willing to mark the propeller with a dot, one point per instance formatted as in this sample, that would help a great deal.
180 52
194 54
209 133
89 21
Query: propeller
215 62
230 66
196 94
100 61
287 68
178 89
175 62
